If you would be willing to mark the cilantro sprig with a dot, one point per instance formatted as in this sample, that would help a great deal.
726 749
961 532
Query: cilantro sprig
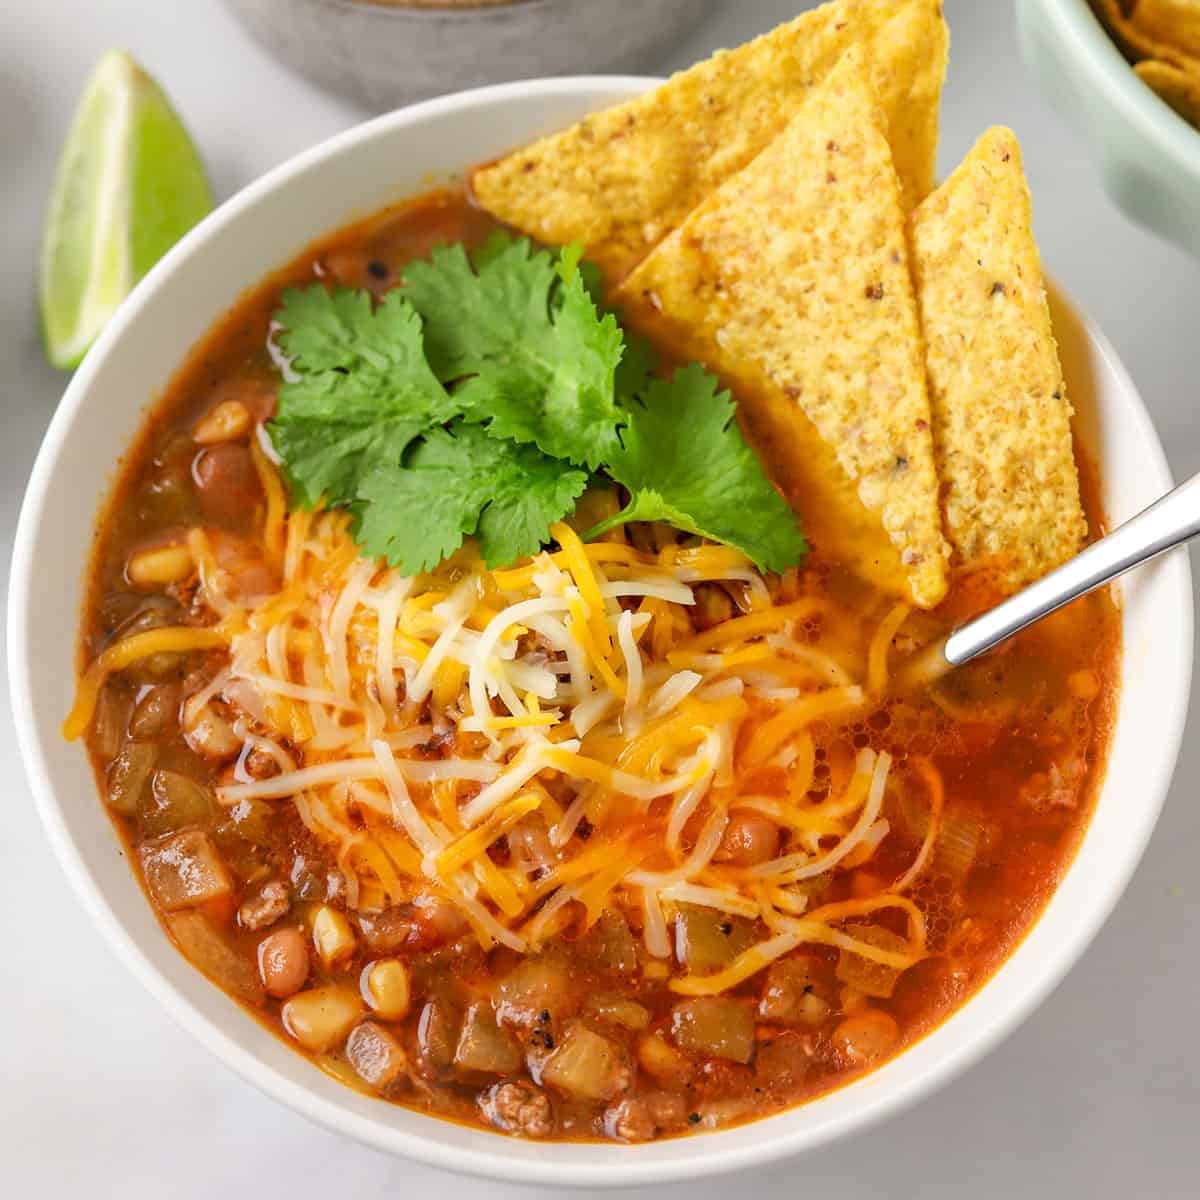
536 360
481 397
460 481
684 461
362 394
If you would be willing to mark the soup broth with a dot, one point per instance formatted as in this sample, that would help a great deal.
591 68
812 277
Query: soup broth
869 852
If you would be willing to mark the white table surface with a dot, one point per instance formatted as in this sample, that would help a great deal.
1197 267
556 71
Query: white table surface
1097 1095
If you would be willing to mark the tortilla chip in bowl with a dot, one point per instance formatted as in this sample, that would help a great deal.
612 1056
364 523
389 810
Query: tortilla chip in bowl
1147 154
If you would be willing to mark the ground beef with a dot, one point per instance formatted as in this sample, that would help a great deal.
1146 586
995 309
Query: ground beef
265 907
518 1108
641 1118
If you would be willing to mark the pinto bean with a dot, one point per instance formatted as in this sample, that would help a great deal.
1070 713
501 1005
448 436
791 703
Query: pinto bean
245 573
283 962
865 1037
713 605
226 481
749 839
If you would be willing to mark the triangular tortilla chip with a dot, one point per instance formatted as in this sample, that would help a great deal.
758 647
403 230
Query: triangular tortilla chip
1137 41
1001 418
1174 23
622 179
792 282
1178 88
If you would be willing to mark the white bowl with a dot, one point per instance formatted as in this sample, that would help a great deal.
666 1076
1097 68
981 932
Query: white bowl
262 228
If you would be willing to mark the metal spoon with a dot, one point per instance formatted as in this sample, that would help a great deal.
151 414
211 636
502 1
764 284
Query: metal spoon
1168 522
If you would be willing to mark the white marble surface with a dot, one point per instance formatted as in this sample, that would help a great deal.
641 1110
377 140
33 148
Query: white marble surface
1097 1095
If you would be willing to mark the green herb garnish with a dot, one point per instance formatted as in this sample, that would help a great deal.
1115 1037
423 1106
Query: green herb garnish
685 462
460 482
477 399
536 360
363 393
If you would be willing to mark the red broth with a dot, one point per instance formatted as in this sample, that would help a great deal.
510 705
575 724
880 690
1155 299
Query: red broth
584 1037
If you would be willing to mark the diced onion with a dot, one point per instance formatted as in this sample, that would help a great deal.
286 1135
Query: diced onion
723 899
748 963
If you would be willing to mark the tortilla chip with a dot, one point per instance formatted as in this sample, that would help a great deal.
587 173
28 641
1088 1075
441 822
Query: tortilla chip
622 179
1180 89
1001 418
1134 40
794 276
1170 22
806 470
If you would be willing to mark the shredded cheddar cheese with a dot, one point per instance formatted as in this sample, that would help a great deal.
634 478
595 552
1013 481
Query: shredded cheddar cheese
536 744
122 654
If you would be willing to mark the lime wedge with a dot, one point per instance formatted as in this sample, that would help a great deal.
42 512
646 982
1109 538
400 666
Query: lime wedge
128 186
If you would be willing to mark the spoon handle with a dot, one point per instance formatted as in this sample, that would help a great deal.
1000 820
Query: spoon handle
1170 520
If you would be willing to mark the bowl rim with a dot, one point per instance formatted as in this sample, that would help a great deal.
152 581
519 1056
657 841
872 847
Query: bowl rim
1112 74
632 1165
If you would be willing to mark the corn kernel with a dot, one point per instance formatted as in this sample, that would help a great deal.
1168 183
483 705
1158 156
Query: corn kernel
448 680
333 938
385 988
228 420
321 1017
1084 685
160 566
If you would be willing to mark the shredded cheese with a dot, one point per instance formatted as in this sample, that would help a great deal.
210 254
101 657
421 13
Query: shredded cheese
567 705
475 843
794 867
937 798
771 735
167 640
748 963
403 808
584 572
881 644
722 899
272 486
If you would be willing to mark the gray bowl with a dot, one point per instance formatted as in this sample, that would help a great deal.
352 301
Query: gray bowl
383 56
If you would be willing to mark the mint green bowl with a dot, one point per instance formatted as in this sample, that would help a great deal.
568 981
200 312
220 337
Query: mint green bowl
1148 157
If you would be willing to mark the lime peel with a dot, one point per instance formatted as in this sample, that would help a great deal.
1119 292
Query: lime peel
129 184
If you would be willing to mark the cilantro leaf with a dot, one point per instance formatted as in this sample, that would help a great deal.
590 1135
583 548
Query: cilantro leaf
637 365
478 400
461 481
638 358
363 390
685 462
535 359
